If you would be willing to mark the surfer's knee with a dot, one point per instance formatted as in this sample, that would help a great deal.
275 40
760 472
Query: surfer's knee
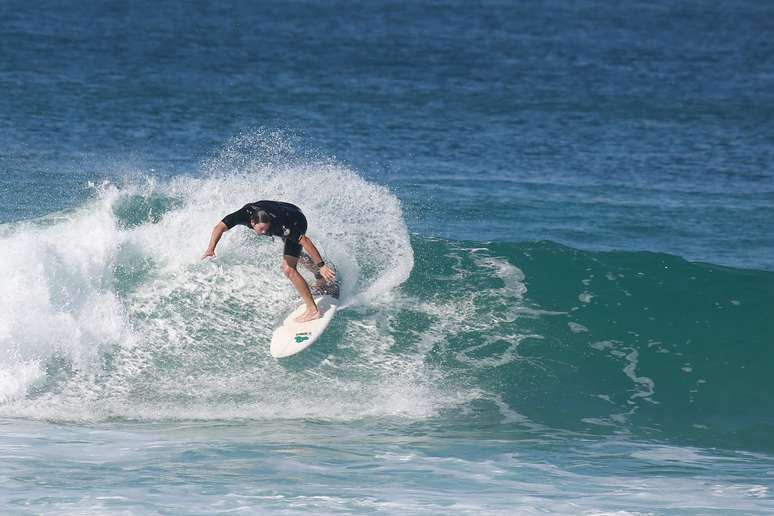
287 269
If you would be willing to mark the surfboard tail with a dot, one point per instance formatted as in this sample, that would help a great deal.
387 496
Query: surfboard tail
331 290
293 337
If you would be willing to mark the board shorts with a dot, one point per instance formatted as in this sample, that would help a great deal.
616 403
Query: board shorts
297 230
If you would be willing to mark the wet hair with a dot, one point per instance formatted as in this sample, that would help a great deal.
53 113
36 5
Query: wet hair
260 217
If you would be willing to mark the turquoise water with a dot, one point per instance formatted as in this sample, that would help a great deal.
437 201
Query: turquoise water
552 223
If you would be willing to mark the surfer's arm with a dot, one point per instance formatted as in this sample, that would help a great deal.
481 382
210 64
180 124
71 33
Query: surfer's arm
217 232
327 273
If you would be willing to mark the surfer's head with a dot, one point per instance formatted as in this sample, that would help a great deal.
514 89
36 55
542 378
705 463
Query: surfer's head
260 221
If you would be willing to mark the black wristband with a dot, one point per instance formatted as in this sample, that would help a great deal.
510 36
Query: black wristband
321 264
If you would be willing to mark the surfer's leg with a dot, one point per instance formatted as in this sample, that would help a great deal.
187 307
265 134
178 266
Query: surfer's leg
298 281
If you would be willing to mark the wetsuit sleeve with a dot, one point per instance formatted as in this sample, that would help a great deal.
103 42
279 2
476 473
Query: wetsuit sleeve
241 216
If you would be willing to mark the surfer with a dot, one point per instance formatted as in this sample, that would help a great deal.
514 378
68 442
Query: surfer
286 221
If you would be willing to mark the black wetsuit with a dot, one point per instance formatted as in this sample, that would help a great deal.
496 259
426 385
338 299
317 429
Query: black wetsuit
287 222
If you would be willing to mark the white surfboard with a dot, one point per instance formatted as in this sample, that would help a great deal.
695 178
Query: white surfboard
292 337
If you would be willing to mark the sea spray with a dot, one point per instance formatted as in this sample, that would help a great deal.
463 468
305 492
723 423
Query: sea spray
112 313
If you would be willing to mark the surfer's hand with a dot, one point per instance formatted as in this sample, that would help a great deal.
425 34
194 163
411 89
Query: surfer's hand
208 253
327 273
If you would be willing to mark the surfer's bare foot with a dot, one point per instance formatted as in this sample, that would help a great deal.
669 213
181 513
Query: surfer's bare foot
308 316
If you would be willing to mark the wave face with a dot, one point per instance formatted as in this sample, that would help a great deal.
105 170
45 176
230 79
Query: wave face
629 343
110 314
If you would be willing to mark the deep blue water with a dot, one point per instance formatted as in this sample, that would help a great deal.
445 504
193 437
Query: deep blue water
553 223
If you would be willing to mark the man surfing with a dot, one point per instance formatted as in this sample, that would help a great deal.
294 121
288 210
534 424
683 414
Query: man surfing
286 221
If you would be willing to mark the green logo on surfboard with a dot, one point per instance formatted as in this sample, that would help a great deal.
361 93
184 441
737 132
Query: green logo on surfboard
301 337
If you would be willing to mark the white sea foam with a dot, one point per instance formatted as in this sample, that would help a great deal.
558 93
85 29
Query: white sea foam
577 327
104 318
644 388
56 297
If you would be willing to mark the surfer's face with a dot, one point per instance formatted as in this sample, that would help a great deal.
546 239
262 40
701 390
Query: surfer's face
261 228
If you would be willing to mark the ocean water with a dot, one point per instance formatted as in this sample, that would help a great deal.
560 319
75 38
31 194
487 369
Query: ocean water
553 223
